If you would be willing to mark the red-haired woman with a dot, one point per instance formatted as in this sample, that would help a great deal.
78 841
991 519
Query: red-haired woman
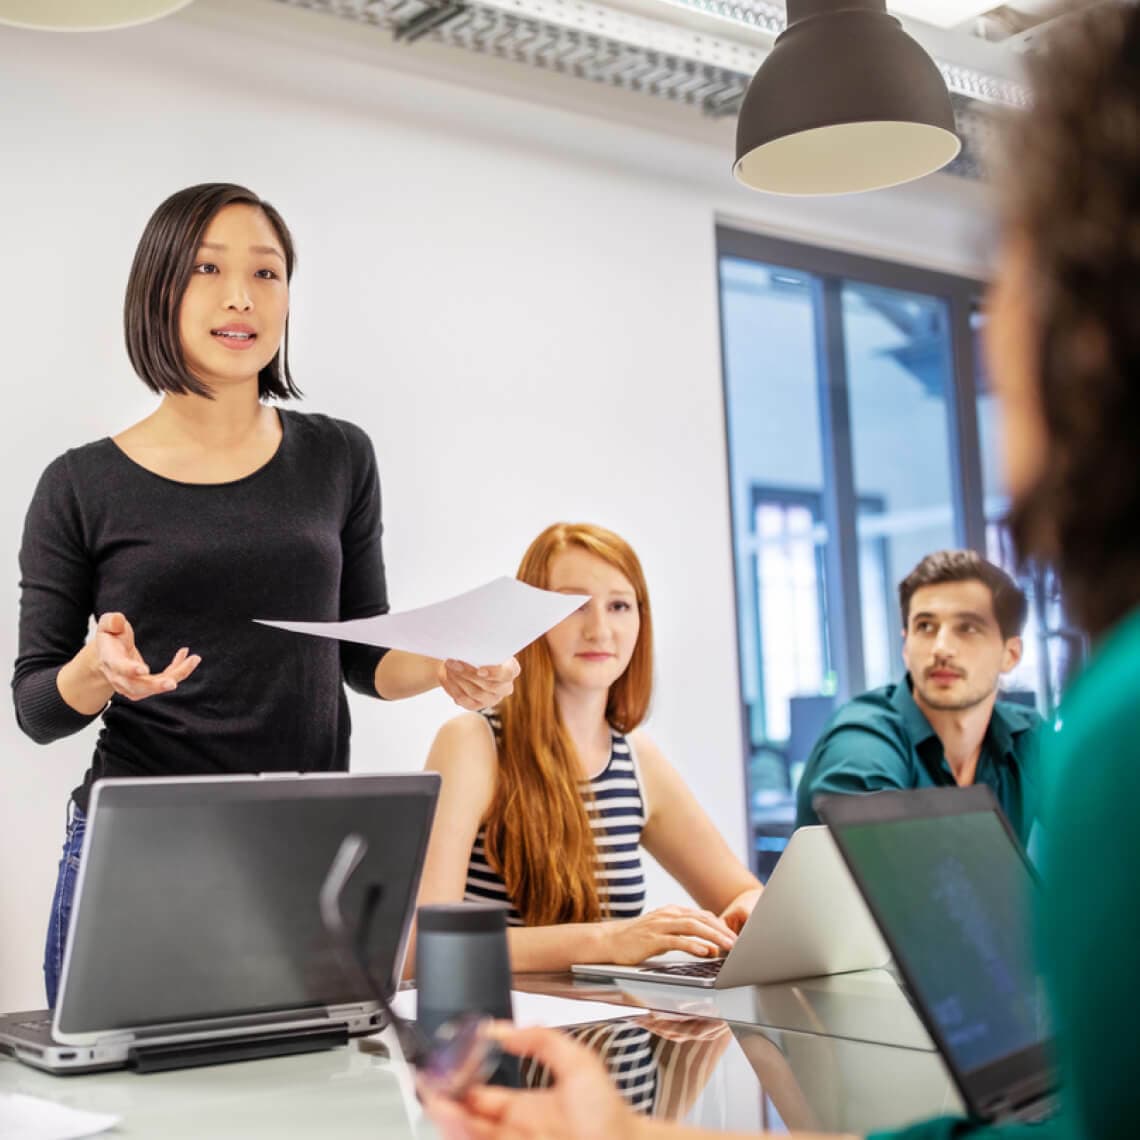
547 802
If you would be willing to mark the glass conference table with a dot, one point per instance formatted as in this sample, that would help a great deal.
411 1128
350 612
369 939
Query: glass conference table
843 1054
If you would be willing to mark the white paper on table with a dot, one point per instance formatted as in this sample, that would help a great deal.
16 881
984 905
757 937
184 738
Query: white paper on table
484 626
30 1118
540 1009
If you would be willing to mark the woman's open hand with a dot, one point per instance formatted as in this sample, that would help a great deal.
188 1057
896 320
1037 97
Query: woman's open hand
119 662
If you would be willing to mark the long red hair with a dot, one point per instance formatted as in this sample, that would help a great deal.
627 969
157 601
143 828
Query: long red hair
538 835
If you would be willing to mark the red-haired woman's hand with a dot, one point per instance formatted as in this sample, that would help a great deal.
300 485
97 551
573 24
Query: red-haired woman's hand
477 688
628 941
737 912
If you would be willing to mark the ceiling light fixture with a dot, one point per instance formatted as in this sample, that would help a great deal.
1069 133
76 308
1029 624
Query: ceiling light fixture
846 101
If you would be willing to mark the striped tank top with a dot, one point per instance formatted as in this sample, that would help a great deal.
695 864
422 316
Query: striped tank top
658 1076
616 811
628 1052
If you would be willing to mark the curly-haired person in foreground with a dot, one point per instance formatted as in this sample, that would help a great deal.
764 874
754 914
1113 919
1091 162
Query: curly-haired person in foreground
1064 353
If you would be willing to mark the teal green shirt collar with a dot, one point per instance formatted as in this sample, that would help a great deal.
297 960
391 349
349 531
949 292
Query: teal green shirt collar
914 719
881 740
1006 722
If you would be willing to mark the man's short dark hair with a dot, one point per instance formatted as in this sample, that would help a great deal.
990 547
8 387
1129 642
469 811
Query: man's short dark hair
159 275
1010 605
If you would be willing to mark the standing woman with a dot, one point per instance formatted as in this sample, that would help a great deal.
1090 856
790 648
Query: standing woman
214 510
546 804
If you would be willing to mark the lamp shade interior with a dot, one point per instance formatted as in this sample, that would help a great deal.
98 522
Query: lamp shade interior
845 101
84 15
847 158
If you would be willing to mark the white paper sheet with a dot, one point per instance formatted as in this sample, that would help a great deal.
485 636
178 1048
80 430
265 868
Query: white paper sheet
484 626
540 1009
30 1118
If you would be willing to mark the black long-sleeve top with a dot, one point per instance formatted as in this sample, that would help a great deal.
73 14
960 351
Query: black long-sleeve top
194 564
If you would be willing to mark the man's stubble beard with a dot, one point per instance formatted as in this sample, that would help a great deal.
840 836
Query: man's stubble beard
969 701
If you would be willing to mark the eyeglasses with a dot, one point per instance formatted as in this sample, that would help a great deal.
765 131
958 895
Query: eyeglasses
461 1052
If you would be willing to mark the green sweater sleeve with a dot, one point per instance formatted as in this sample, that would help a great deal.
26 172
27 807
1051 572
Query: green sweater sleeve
1088 930
1088 915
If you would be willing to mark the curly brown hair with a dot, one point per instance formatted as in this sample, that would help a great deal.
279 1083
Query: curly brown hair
1072 189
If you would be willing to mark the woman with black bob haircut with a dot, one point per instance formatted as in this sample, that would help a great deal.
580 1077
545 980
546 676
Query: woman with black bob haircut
162 269
1063 344
213 511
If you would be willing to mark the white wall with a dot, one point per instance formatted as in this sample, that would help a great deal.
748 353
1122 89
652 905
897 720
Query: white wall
508 278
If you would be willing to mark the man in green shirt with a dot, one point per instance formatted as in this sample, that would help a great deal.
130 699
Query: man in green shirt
942 725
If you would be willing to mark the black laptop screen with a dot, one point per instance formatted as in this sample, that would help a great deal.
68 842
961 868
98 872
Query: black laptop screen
952 893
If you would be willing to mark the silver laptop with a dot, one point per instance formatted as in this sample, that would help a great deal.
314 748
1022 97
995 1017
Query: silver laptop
810 920
196 935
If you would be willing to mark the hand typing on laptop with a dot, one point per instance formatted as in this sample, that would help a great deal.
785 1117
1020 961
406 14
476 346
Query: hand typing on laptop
736 914
628 941
809 920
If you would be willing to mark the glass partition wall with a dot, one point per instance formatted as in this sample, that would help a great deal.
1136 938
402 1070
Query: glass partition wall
860 438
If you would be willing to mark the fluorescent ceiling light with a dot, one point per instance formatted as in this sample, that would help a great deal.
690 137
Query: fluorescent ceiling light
941 13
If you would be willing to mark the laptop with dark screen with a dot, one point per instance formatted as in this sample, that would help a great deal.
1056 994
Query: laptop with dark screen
951 889
196 933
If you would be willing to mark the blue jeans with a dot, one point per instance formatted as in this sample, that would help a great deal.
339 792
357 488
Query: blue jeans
61 901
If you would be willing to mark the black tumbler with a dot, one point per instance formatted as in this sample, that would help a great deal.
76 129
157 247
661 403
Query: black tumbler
463 966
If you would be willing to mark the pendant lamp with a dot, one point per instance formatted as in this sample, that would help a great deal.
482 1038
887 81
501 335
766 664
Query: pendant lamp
84 15
845 101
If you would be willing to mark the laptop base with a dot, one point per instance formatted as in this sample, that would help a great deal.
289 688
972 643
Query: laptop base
677 972
50 1056
147 985
187 1054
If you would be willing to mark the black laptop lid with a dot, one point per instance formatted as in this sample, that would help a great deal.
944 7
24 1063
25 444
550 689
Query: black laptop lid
951 889
198 898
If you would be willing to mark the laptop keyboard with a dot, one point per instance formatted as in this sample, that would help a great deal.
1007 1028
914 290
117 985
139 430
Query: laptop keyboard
688 969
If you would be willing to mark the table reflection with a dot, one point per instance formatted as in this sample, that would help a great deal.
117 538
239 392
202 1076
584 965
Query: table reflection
822 1070
660 1064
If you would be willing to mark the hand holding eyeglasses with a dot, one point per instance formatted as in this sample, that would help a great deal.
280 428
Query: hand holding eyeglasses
460 1054
581 1104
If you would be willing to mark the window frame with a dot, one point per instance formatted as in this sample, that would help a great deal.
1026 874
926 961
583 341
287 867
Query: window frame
829 269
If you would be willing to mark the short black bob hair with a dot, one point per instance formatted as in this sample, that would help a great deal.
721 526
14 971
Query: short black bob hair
1011 607
160 273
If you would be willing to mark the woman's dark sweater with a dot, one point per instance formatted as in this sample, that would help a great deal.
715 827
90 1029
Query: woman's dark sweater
194 564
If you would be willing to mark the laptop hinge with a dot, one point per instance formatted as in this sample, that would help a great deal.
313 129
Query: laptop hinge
250 1047
352 1010
1014 1099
